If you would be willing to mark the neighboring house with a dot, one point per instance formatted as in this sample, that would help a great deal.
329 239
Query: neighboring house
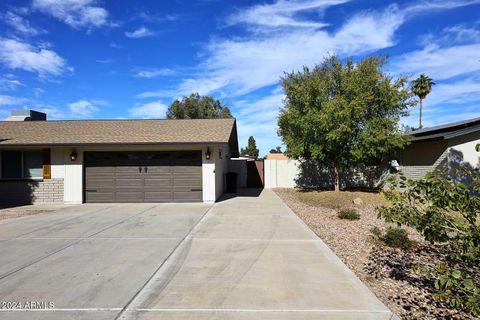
441 147
276 156
114 160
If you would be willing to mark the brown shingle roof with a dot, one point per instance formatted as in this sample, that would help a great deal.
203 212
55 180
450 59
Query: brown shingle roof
86 132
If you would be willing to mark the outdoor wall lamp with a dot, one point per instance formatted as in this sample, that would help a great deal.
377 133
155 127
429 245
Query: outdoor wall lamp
73 155
207 154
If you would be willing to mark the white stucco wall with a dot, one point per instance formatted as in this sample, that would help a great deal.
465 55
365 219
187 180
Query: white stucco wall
73 180
466 145
280 173
221 157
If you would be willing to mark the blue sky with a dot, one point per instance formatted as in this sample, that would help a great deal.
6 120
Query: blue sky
81 59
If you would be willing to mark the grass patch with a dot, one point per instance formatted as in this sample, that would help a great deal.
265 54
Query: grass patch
336 200
348 214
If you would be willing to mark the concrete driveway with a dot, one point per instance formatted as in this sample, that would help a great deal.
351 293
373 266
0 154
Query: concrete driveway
247 257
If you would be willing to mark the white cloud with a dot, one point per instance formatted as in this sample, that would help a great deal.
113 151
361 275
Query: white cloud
76 13
21 55
243 64
9 82
282 14
20 25
151 110
439 62
10 100
153 73
82 109
139 33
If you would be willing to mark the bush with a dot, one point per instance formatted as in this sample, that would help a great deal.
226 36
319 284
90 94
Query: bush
348 214
447 211
397 238
375 234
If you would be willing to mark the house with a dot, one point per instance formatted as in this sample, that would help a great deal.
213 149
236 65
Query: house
276 156
441 147
77 161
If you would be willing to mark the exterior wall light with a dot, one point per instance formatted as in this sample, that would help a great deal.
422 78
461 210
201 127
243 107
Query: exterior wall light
73 155
207 154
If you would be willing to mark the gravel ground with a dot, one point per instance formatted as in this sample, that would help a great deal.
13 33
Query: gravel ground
10 213
386 271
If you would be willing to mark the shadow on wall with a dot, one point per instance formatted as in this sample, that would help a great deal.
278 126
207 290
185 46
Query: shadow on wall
313 175
455 165
14 193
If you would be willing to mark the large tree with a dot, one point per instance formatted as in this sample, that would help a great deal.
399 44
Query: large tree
421 87
343 115
195 106
251 149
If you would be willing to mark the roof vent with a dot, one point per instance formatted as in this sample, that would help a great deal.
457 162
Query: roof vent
27 115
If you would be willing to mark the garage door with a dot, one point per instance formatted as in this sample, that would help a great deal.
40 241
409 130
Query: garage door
143 176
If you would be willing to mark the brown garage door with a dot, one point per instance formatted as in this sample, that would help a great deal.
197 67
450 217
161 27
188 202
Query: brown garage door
174 176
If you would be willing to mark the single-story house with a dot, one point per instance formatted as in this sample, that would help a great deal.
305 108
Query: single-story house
77 161
441 147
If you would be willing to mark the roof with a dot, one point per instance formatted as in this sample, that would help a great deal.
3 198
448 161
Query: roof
446 131
105 132
276 156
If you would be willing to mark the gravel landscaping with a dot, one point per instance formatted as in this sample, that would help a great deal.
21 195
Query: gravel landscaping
16 212
388 272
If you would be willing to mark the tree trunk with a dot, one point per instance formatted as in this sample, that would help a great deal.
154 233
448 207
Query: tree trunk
420 126
336 179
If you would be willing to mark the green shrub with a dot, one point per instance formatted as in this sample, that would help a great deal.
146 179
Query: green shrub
397 238
349 214
444 210
375 234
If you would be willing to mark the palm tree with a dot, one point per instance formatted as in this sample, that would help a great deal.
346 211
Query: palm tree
421 87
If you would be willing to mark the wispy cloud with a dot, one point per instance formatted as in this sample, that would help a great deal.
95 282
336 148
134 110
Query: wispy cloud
439 62
151 110
20 24
282 14
153 72
11 100
16 54
82 109
9 82
75 13
258 59
139 33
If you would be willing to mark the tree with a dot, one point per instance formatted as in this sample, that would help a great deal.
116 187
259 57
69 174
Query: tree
421 87
251 149
278 149
195 106
343 116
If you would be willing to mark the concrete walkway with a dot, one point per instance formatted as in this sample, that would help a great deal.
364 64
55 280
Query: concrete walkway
251 257
247 257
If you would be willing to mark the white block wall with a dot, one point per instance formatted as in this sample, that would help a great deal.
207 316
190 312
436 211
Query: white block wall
280 173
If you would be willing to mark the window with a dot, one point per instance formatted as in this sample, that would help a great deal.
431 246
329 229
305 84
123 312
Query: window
22 164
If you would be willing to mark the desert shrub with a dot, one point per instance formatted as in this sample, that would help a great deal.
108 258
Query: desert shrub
397 238
348 214
447 211
375 234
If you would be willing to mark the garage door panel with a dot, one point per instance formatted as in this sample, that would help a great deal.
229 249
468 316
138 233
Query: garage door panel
155 169
101 170
130 196
159 196
100 197
187 196
126 183
158 183
185 182
143 176
99 183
